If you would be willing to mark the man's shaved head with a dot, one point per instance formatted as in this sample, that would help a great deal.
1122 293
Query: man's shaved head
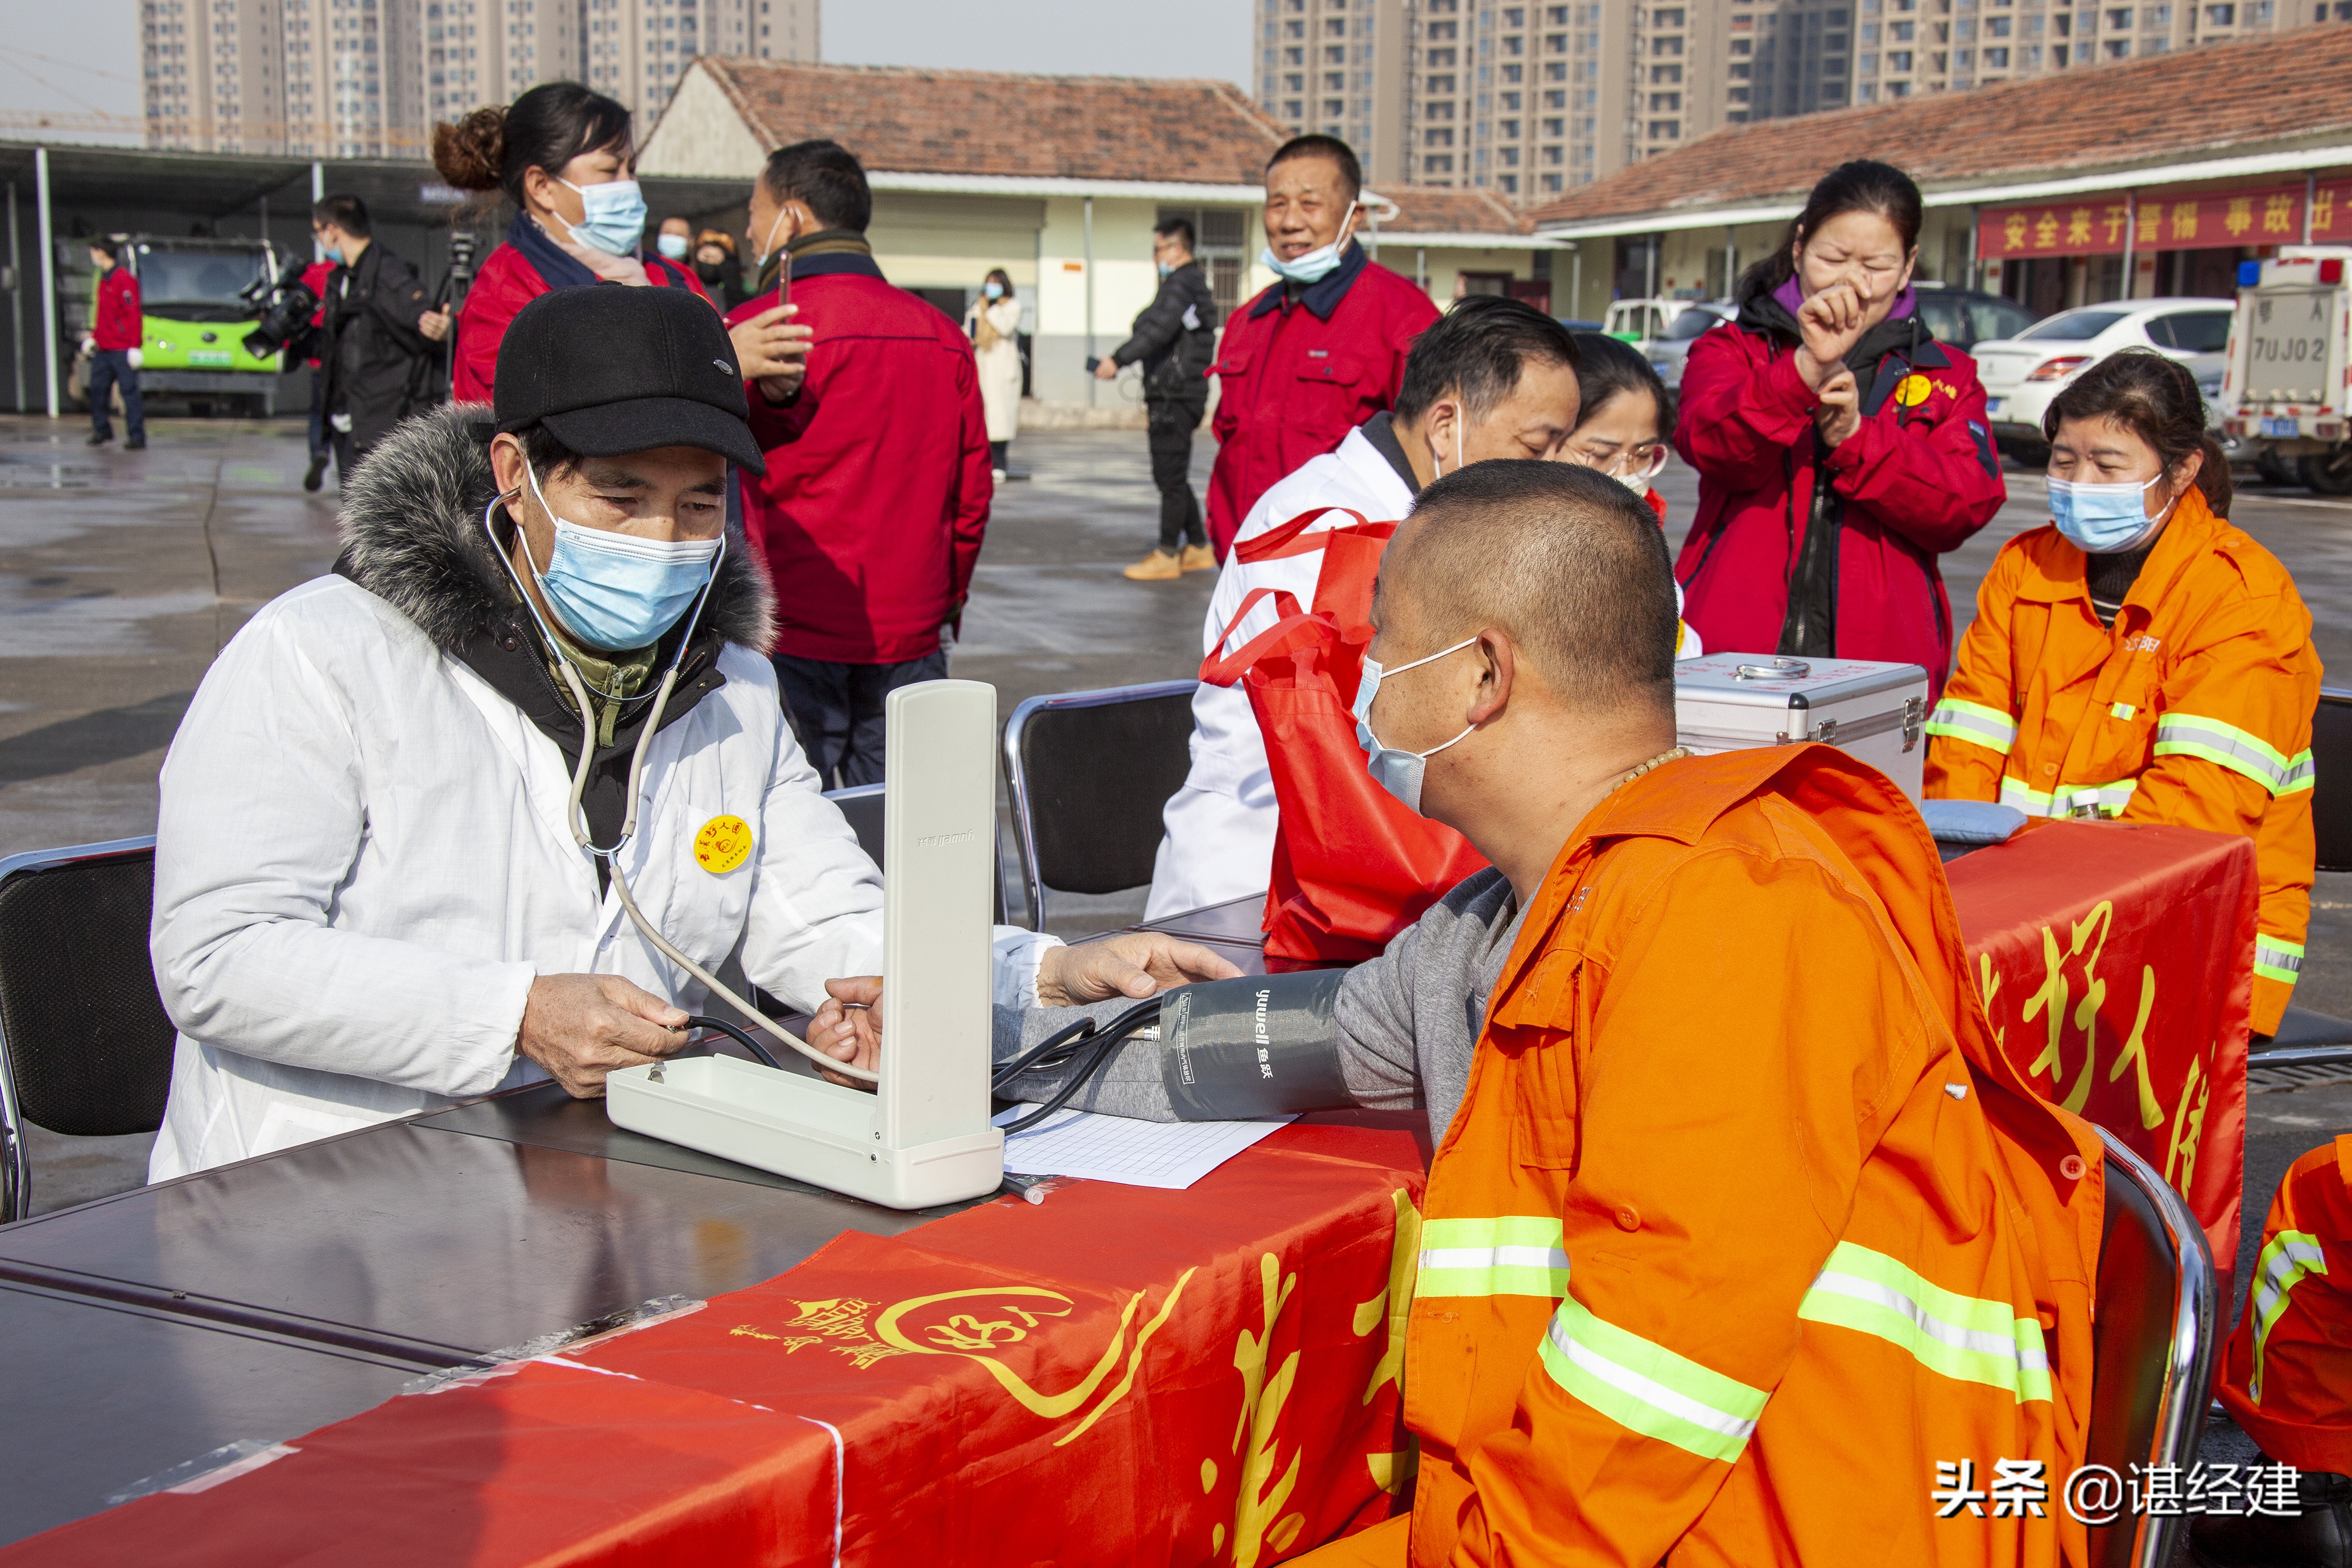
1569 563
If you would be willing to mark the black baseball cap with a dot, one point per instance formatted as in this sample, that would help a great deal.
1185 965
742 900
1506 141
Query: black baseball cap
611 370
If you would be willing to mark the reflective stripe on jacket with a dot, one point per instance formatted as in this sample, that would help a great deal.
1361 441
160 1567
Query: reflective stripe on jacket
2287 1376
2194 709
1744 1221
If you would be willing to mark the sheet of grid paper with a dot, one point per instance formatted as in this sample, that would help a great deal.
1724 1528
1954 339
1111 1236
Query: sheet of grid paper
1173 1154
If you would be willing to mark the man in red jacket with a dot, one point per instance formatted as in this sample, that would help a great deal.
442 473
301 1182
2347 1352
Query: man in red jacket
115 330
871 514
1322 349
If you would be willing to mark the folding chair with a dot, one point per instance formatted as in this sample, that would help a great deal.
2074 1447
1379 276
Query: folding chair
85 1046
1090 773
2153 1351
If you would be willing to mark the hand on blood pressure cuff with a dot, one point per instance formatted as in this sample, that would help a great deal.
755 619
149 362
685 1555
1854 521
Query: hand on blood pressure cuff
1226 1050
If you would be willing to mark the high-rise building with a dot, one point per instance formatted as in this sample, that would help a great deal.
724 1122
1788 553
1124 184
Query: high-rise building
369 78
1528 98
1905 46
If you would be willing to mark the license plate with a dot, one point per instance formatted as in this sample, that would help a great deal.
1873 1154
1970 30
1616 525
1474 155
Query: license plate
2290 428
1993 405
218 359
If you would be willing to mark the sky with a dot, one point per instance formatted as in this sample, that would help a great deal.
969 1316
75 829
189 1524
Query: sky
80 61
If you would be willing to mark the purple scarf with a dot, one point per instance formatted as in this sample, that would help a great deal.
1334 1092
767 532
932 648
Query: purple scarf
1791 296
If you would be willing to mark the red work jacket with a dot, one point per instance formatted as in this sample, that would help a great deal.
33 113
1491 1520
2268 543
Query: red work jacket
506 283
1301 373
875 500
116 323
1917 479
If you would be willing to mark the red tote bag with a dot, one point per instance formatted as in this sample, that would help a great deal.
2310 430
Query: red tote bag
1352 866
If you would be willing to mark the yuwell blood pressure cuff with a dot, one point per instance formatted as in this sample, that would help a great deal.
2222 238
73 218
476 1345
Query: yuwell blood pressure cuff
1263 1045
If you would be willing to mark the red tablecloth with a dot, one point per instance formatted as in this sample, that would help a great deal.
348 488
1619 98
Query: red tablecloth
1123 1374
2116 962
1118 1374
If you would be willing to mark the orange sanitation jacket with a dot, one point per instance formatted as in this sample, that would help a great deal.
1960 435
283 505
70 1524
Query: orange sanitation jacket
2287 1379
2194 710
1744 1223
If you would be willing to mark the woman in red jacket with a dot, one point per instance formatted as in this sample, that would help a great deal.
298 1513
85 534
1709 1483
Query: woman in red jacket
1839 447
564 157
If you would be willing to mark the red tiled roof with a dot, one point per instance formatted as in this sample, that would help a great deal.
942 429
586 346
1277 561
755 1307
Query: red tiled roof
993 122
1427 209
2208 100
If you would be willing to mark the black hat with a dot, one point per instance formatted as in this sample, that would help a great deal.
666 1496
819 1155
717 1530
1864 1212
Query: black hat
611 370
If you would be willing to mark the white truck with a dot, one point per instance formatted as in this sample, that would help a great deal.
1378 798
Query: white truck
2288 378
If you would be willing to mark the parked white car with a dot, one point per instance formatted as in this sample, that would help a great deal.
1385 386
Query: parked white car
2022 373
1670 354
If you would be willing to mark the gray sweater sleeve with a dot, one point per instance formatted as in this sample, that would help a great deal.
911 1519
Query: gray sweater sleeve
1374 1011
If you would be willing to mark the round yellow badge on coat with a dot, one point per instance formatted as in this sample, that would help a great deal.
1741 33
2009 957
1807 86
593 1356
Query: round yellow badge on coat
1912 390
722 844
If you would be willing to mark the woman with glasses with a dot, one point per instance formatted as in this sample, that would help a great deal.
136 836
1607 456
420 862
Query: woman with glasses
1839 447
1621 430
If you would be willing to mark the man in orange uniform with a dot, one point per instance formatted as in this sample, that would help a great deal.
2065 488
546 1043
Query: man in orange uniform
1744 1225
2186 699
2287 1378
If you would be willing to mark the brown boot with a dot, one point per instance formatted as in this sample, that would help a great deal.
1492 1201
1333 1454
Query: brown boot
1197 558
1159 566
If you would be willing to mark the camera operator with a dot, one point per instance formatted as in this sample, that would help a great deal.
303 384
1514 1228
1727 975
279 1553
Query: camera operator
377 349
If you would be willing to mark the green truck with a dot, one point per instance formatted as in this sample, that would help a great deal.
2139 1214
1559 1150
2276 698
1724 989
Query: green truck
197 297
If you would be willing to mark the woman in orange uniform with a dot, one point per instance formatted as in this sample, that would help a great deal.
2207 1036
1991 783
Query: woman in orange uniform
2287 1376
2141 659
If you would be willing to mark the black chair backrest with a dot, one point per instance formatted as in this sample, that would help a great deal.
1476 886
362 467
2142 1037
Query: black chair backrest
88 1047
1090 772
2132 1348
2331 794
862 806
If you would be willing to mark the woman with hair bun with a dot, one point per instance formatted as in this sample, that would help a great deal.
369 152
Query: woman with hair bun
2139 657
564 156
1839 447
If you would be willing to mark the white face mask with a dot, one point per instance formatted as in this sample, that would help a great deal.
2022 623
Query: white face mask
1317 264
769 248
1399 772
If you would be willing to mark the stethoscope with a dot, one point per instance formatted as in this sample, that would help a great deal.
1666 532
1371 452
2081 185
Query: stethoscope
577 818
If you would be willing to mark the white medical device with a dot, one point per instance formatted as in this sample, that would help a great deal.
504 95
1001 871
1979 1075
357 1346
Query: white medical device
922 1137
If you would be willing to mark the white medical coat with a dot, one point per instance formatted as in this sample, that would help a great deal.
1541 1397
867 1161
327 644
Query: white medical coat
363 862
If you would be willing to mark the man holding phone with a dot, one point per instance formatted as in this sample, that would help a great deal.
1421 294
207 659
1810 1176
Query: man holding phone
875 500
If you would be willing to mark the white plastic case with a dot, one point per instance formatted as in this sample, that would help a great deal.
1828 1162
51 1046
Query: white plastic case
923 1138
1729 702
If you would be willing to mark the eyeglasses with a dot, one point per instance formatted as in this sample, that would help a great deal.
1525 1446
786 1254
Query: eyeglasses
1643 462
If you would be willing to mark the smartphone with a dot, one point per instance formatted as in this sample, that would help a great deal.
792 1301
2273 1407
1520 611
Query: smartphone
1092 360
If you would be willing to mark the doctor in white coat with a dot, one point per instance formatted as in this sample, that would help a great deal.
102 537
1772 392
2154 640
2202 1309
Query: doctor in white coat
1491 378
369 900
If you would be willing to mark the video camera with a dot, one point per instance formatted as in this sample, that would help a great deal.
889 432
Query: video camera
287 305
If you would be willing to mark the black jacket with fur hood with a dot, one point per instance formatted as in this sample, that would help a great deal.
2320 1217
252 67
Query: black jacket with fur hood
415 536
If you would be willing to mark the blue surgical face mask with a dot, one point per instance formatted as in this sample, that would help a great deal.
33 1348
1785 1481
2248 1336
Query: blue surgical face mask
1316 265
614 592
612 217
1399 772
2105 519
994 291
672 246
1165 269
333 253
